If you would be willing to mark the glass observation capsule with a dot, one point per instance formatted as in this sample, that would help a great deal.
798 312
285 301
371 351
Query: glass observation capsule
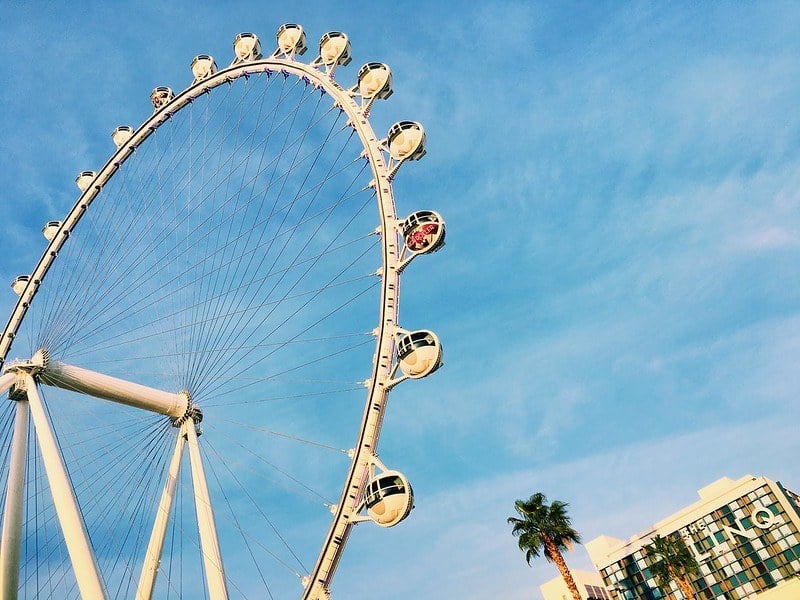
334 49
406 141
389 498
246 47
84 180
19 283
203 67
291 39
375 81
121 135
161 96
50 230
423 231
419 353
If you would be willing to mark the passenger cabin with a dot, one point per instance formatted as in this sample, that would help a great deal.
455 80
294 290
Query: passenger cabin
419 353
389 498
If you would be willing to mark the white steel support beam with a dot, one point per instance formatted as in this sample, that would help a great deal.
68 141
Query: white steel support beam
79 548
209 543
95 384
152 558
6 381
12 516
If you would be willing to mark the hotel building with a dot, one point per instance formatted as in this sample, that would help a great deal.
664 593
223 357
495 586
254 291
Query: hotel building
745 535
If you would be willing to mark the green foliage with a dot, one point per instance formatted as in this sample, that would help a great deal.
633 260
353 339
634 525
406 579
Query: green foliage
671 560
539 523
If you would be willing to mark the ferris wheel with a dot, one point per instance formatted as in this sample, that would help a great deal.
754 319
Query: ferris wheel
235 263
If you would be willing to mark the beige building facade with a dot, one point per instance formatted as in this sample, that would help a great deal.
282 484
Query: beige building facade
745 535
589 583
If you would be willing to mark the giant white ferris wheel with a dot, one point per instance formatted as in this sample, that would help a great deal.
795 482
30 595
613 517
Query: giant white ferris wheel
236 262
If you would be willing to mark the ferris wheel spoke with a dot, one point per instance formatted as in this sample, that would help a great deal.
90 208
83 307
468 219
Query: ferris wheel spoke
285 436
275 345
274 376
299 488
297 310
328 393
282 249
213 332
248 538
154 273
127 310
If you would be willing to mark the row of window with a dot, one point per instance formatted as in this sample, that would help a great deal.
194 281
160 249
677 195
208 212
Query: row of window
736 567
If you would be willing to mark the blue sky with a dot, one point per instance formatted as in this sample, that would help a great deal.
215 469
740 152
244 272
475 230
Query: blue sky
618 297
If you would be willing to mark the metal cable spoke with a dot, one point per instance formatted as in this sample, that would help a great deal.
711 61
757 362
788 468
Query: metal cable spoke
307 491
284 435
133 312
193 367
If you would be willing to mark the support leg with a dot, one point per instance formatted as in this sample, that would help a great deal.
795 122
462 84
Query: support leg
80 551
152 557
12 517
209 543
6 381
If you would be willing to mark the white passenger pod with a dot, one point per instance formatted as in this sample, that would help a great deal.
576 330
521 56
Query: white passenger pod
374 81
50 230
419 353
246 47
20 283
84 180
121 135
423 232
203 67
406 141
389 498
334 50
161 96
291 40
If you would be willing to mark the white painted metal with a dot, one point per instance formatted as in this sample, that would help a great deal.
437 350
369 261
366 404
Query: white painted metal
78 379
79 548
152 557
12 516
6 381
209 543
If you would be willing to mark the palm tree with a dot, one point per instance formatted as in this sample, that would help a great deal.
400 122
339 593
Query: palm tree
672 562
545 528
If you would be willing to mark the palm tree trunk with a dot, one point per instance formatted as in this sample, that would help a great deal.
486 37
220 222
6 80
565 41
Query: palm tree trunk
683 584
555 556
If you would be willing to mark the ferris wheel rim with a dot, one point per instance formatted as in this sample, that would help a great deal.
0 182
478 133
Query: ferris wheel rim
369 429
